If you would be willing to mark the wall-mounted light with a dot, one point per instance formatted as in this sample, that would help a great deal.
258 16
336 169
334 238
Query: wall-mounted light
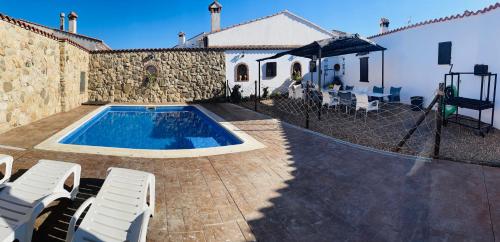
242 55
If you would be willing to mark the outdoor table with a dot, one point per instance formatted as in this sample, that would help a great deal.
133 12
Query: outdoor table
370 94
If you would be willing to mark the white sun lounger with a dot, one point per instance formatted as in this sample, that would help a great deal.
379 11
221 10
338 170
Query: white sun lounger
120 211
7 160
24 199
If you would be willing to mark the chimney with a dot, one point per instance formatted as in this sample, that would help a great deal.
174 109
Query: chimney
384 25
215 9
61 21
72 22
182 38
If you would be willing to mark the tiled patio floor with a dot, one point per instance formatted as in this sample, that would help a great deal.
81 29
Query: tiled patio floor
302 187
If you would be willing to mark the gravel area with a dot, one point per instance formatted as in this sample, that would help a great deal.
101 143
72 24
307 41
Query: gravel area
386 128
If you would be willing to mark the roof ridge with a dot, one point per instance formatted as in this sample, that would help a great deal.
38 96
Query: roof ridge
33 29
66 32
466 13
285 11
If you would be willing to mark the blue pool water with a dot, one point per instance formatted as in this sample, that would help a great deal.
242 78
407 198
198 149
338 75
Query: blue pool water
161 128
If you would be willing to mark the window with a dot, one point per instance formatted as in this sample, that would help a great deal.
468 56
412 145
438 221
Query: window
444 53
363 69
242 72
271 69
83 82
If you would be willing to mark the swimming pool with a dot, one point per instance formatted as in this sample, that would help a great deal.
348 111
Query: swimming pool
141 127
160 131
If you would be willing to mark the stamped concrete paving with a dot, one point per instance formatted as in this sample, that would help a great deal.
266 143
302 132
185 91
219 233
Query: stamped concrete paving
302 187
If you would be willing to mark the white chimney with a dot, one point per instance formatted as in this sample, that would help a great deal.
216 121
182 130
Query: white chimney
215 9
72 22
182 38
61 21
384 25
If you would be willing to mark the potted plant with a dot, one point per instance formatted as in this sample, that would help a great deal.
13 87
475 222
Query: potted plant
297 77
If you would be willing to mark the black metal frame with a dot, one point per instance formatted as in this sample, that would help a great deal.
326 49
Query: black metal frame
480 104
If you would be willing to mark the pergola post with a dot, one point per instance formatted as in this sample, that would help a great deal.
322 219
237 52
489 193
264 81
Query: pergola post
319 83
259 81
383 68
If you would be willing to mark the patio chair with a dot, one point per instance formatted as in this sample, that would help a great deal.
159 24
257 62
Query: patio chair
7 160
328 100
22 201
363 103
345 99
395 94
120 211
377 90
336 89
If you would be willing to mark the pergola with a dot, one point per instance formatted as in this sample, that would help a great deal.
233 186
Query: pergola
343 45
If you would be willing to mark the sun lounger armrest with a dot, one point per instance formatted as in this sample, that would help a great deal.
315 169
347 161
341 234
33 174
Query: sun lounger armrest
144 225
76 216
7 160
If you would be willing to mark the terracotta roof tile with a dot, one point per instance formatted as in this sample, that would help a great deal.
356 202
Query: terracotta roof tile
38 31
218 48
443 19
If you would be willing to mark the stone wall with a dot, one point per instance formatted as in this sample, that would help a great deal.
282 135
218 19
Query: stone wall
32 80
174 76
74 66
29 76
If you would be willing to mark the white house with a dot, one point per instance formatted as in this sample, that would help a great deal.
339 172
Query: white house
411 58
246 42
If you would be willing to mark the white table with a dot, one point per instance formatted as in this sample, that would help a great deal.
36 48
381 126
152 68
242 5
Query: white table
370 94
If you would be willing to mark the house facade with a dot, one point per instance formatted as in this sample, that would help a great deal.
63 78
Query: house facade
247 42
411 58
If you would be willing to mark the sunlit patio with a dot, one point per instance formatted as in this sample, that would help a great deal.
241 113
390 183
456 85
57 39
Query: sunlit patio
301 187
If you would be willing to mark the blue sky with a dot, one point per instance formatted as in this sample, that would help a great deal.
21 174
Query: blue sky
155 23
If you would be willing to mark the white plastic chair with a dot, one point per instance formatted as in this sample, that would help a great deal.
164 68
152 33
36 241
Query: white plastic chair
24 199
328 100
363 103
120 211
7 160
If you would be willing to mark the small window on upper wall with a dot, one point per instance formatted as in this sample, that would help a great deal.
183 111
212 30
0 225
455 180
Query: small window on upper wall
83 82
363 69
242 72
271 69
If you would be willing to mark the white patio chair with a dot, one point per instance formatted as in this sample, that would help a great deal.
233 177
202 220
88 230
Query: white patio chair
363 103
7 160
120 211
24 199
328 100
336 89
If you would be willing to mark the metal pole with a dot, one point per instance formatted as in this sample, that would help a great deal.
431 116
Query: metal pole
255 96
319 83
259 78
383 68
307 105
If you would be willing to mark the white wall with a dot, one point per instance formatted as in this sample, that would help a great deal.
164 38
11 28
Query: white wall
282 29
284 66
411 58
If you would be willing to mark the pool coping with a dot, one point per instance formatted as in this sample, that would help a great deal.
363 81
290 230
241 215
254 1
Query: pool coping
249 143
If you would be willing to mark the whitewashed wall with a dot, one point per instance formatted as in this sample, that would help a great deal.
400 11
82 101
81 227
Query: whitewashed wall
284 67
282 29
411 58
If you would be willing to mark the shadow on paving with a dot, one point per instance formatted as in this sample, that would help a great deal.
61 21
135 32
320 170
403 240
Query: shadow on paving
337 192
52 224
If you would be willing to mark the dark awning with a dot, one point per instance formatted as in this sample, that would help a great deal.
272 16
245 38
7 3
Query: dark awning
342 45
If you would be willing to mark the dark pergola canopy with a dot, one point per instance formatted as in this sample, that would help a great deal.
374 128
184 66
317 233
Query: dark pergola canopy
343 45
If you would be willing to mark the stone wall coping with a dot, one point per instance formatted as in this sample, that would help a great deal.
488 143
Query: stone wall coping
28 27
